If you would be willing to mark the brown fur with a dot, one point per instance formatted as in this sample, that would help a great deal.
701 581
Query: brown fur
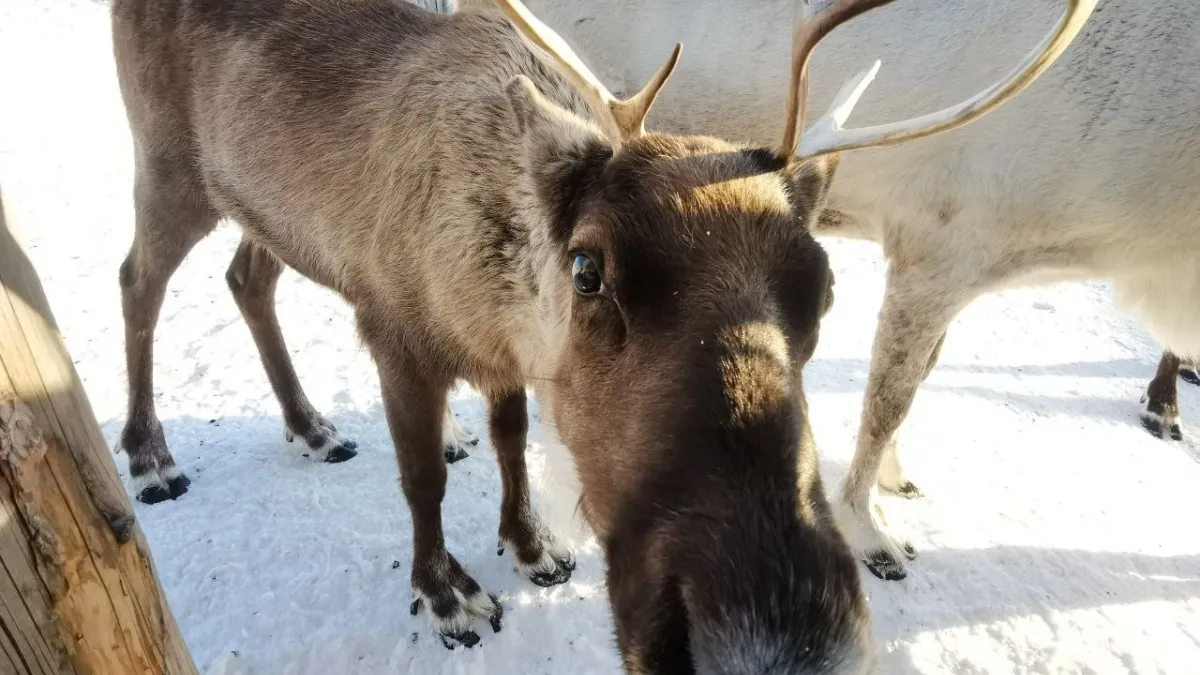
438 176
1161 416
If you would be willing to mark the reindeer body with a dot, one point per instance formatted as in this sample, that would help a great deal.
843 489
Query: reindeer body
1094 172
447 184
317 146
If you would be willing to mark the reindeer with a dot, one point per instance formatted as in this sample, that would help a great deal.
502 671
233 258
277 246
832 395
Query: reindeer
493 213
1091 174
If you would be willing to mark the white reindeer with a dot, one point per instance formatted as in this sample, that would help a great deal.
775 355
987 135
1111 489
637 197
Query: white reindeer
1092 173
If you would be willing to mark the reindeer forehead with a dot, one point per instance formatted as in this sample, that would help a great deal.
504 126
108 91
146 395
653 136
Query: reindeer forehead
698 171
666 188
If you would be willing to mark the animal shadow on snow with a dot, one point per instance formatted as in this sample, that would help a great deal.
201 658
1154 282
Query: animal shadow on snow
827 376
307 564
954 588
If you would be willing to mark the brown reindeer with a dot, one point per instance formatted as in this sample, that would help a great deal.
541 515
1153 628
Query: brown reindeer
492 213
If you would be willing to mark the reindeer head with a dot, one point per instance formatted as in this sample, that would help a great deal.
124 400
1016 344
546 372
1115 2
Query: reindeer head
688 293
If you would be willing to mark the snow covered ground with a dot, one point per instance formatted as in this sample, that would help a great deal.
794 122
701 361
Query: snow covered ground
1056 537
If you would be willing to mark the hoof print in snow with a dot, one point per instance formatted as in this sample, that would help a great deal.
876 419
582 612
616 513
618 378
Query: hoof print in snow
455 454
884 566
467 639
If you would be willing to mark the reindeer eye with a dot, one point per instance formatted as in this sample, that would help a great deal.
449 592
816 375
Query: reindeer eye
586 275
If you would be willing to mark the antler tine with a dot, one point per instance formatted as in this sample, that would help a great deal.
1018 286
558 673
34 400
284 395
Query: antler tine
631 113
827 135
812 25
621 120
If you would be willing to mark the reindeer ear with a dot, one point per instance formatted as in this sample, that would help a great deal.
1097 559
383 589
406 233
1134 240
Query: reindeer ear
564 154
809 182
528 105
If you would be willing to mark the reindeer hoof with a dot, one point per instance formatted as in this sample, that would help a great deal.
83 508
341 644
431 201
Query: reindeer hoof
1190 376
467 639
178 485
455 453
561 575
909 490
1154 424
154 494
884 566
344 451
495 619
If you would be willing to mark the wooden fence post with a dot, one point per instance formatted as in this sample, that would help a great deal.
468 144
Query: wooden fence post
78 591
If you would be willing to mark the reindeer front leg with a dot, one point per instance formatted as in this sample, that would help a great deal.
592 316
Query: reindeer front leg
538 556
415 407
917 309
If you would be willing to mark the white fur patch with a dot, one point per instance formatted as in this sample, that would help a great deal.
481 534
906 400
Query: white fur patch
1166 422
861 522
454 434
457 623
469 608
545 566
148 479
318 454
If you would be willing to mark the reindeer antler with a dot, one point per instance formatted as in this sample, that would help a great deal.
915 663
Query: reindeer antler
827 135
621 120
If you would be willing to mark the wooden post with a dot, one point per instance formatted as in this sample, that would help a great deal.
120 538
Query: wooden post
78 590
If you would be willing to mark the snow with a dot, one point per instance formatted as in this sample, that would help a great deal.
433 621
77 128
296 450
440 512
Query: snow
1056 535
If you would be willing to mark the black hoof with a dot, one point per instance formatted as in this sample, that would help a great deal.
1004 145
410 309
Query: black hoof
567 563
560 575
340 454
1154 425
909 491
415 607
884 566
178 485
495 618
467 639
454 454
1189 376
473 442
350 444
154 494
